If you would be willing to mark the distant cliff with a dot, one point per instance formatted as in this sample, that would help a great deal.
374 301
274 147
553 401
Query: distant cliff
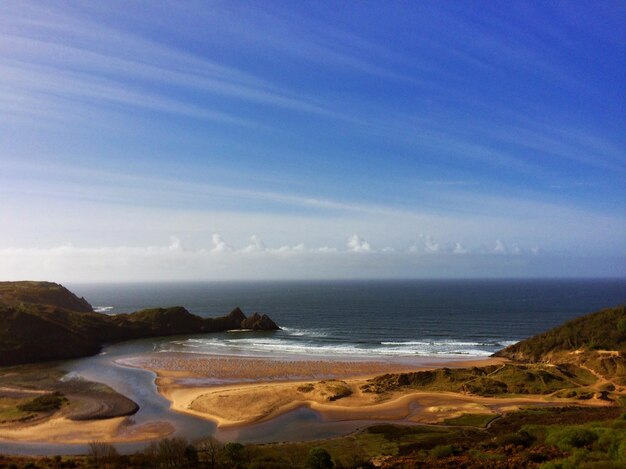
42 321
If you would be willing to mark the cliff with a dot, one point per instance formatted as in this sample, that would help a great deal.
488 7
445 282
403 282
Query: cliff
41 321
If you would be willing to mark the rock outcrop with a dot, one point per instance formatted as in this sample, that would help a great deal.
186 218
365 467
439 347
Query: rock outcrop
258 322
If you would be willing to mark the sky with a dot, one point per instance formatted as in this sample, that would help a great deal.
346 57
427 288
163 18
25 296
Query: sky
305 140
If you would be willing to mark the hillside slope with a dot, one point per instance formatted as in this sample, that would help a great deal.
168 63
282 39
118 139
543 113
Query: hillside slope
596 341
43 293
31 331
603 330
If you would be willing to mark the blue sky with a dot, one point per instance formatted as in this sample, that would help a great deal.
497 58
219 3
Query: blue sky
207 140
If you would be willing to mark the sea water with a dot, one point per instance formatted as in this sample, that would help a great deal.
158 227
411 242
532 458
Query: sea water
365 319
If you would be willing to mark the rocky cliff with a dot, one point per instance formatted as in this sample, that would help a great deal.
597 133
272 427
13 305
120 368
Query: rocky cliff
42 321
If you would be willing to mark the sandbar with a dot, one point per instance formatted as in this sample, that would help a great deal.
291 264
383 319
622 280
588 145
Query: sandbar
64 430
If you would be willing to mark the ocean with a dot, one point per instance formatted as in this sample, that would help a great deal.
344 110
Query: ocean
368 319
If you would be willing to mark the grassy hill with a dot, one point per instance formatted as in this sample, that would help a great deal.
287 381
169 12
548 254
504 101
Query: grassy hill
42 293
603 330
42 321
577 358
494 380
596 341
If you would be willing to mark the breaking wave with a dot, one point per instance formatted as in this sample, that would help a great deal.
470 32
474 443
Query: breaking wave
321 343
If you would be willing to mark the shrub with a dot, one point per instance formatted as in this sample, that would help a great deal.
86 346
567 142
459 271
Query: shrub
569 438
306 387
44 403
173 452
442 451
319 458
233 453
209 451
521 438
101 453
267 462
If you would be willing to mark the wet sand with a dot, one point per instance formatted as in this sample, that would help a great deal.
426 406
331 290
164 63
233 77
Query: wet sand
184 368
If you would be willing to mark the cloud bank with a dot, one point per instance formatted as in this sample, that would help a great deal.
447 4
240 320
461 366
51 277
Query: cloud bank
256 260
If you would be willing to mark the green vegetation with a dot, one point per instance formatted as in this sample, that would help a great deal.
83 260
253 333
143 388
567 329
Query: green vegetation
471 420
43 293
45 403
604 330
442 451
335 389
319 458
10 410
487 381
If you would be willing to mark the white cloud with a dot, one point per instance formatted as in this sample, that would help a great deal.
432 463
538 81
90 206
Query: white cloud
256 245
500 247
425 244
356 244
429 244
459 249
219 245
175 244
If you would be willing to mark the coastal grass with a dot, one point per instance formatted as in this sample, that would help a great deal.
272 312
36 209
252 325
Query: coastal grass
603 330
526 438
45 403
373 441
491 381
11 411
471 420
